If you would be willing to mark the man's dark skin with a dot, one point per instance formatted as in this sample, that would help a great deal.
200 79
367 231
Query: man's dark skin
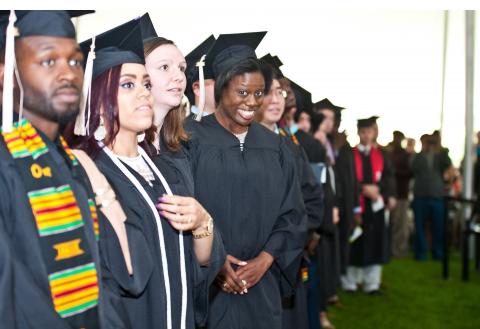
51 73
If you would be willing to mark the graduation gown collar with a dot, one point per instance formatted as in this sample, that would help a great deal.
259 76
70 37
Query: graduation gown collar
257 137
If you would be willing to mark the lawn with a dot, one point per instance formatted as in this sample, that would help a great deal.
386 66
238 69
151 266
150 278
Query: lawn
415 296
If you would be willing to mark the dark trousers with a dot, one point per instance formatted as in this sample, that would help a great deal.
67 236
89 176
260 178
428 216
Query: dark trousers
424 209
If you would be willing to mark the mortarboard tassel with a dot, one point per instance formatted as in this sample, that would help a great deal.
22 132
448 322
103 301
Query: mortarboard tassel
82 123
201 79
7 101
20 86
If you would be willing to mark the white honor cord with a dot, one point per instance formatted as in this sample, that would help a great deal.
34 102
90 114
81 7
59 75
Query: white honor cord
8 74
147 198
183 271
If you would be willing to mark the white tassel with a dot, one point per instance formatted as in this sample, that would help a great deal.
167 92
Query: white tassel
201 80
7 100
20 86
82 123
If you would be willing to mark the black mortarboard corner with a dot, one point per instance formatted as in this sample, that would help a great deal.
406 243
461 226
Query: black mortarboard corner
197 70
25 23
326 104
374 118
365 123
274 62
192 59
120 45
147 28
230 49
303 98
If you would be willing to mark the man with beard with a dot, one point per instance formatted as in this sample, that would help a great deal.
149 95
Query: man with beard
50 271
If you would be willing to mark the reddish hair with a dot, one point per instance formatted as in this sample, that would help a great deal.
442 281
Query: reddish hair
104 101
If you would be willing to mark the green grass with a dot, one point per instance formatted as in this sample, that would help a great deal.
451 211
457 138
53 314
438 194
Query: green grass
415 296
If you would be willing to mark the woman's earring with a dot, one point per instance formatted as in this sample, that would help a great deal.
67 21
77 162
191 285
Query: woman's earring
100 133
140 137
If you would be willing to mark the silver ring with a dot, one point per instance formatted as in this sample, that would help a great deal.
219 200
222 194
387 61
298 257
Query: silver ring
225 284
244 282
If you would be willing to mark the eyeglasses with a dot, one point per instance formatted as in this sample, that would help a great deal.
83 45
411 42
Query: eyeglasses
280 93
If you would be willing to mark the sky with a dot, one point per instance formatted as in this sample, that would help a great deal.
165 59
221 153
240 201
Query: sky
373 61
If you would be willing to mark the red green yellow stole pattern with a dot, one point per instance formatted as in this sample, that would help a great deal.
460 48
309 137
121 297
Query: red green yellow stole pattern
74 290
60 223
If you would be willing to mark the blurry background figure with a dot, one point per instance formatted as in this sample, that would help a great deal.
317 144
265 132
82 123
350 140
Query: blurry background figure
371 249
399 222
328 251
429 169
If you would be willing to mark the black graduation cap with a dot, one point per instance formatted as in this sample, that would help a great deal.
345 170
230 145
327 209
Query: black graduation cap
120 45
368 122
55 23
374 118
192 59
147 28
326 104
230 49
194 56
303 98
273 61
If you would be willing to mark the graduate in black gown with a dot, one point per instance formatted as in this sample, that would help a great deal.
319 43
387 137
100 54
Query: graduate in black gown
295 309
346 187
50 272
337 148
174 249
297 121
245 177
371 249
327 252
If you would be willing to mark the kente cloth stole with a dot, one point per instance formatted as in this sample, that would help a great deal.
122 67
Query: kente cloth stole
72 273
376 159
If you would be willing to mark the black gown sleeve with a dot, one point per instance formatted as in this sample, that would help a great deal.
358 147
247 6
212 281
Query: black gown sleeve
6 279
114 314
328 227
289 232
114 270
312 193
204 277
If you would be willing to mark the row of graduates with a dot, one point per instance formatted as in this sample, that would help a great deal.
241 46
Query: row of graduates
348 244
127 214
